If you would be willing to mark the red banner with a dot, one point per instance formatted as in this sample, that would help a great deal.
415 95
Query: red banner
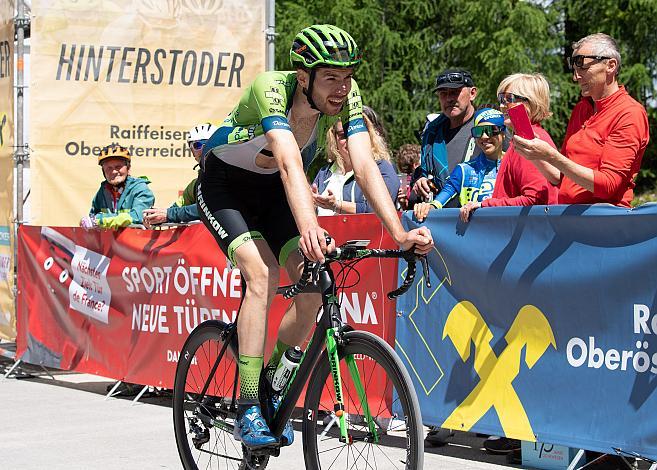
120 304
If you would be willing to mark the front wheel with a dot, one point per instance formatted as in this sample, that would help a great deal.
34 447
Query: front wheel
384 428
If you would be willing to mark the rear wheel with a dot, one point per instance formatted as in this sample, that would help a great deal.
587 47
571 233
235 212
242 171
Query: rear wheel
203 422
397 440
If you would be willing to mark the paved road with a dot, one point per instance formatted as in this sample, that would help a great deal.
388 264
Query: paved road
66 423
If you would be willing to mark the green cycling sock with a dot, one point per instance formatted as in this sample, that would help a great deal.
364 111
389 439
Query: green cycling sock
249 369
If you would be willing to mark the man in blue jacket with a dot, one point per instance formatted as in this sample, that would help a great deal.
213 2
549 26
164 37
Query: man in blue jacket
446 140
121 199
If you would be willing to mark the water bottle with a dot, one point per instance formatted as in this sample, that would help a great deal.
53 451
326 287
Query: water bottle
287 365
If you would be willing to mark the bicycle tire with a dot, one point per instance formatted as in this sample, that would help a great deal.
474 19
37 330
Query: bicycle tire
197 356
325 451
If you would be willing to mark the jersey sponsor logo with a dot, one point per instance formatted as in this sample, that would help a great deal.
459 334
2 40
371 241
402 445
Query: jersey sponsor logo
213 222
274 95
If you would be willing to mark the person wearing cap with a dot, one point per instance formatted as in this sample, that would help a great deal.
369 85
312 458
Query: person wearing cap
446 140
519 183
474 180
184 209
121 198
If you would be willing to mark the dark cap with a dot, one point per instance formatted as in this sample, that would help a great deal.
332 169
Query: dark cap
454 78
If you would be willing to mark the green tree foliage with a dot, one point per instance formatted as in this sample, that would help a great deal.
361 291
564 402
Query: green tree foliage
406 43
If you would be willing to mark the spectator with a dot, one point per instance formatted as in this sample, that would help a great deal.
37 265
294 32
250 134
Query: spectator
335 190
606 136
184 209
121 199
408 159
446 140
518 182
474 180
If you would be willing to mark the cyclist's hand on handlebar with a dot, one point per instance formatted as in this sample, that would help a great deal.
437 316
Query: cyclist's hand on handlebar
420 239
313 243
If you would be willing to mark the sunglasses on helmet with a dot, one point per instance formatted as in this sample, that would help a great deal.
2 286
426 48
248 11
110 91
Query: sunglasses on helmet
198 144
455 78
578 61
506 98
489 129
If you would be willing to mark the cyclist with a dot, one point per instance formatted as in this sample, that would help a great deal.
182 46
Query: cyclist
184 209
254 197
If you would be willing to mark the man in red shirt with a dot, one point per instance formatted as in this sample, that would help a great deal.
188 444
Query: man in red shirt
606 137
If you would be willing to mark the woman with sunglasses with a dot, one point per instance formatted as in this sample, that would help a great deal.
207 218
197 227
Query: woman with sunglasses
519 183
334 189
184 209
474 180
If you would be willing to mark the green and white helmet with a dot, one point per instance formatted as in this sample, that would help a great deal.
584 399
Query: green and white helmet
324 45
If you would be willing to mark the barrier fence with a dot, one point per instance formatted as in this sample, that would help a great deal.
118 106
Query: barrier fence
539 324
121 304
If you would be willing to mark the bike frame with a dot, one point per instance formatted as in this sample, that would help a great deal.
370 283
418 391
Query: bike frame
329 332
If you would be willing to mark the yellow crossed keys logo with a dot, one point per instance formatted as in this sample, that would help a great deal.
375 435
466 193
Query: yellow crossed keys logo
495 389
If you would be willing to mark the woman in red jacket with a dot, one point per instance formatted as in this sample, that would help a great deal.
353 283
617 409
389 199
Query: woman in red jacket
519 182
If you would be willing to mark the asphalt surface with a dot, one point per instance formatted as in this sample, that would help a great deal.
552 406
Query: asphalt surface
65 422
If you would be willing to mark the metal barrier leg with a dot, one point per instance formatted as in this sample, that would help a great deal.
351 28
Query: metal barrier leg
111 392
576 459
139 395
12 368
47 372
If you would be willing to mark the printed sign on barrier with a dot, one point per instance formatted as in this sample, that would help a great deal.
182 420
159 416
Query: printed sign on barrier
534 312
121 304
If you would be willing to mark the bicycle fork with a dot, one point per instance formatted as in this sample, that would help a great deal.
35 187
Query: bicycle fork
334 362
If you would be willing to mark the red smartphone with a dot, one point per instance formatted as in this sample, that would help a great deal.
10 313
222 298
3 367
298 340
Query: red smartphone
522 126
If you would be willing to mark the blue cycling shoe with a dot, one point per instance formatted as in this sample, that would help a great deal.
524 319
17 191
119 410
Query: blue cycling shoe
252 430
287 437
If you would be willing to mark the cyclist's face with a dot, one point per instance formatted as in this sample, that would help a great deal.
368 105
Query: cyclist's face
331 88
115 170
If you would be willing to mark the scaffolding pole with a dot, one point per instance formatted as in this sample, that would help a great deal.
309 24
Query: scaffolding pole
270 35
20 156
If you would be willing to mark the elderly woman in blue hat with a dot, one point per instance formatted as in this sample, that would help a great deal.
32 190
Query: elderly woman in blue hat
474 180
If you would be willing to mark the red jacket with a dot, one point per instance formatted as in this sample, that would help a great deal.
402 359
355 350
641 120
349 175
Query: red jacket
611 142
519 183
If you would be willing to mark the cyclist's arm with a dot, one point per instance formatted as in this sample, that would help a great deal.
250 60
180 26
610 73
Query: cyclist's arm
371 182
287 155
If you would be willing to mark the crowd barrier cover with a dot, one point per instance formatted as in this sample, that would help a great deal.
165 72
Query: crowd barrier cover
139 73
120 304
7 317
540 325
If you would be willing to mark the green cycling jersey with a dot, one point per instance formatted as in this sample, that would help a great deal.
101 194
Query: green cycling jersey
265 105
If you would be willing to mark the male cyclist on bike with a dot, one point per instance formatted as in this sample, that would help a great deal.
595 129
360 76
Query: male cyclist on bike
254 197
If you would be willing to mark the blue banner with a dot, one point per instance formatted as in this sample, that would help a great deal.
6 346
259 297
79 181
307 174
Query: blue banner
540 325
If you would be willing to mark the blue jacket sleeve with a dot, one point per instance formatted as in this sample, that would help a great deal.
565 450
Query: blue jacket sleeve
182 214
451 189
391 180
143 199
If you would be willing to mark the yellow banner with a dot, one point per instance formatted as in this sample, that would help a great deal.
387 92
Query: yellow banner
135 72
7 310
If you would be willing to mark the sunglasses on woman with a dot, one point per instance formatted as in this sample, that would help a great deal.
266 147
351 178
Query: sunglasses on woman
198 144
506 98
490 130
